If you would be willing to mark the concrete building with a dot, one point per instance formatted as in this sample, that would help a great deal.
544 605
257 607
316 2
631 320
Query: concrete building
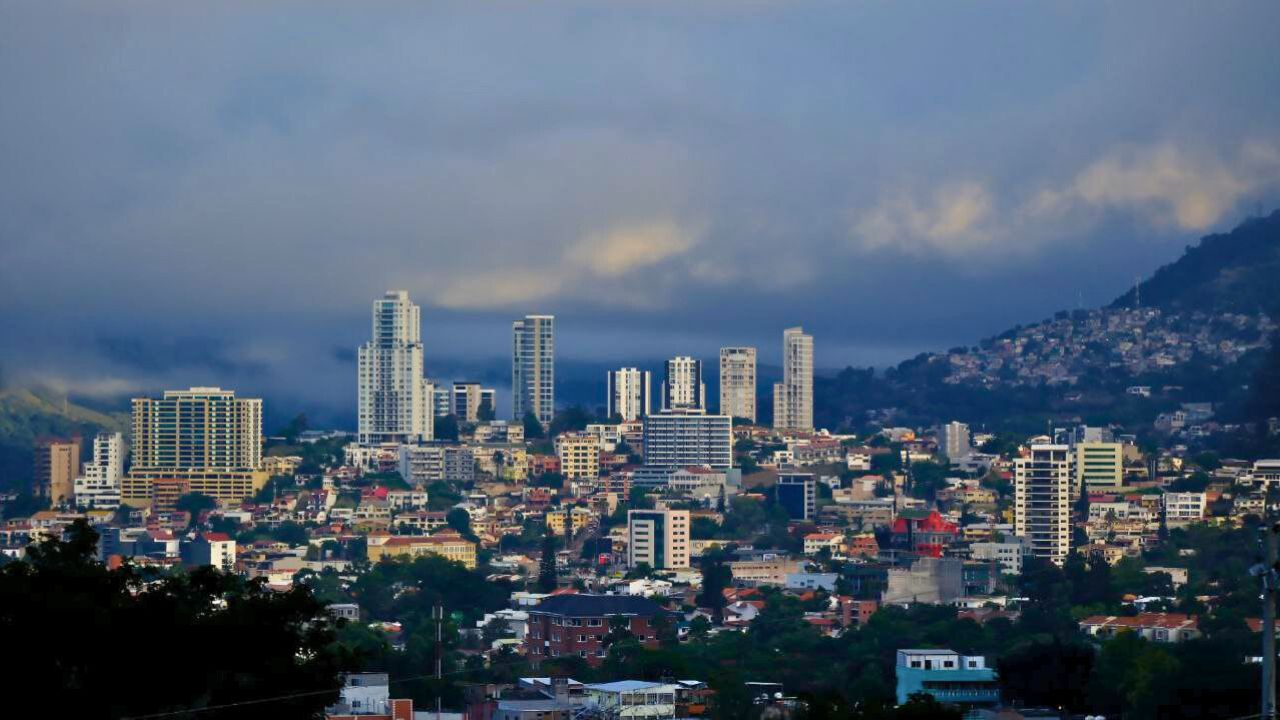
951 678
682 388
797 493
394 398
57 465
793 397
575 625
628 394
422 465
533 368
1183 508
1007 554
930 580
955 441
658 538
1099 466
215 549
579 454
445 543
98 487
467 399
686 439
738 382
1042 501
202 440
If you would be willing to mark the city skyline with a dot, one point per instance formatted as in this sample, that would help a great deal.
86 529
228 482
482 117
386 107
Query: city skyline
243 188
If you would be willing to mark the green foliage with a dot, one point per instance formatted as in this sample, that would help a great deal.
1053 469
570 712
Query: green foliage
446 428
571 419
247 642
460 520
484 413
532 428
28 414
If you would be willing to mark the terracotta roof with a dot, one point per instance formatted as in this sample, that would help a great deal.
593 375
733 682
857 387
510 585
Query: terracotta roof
1167 621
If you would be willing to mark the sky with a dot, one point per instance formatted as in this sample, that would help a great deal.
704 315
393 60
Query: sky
215 193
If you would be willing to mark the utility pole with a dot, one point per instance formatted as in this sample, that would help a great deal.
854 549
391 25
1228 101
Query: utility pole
1270 584
437 613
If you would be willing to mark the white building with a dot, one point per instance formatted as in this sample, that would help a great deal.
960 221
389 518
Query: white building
395 399
424 464
738 382
793 397
658 538
685 439
1183 508
628 393
533 368
955 441
1008 554
1042 501
99 487
683 389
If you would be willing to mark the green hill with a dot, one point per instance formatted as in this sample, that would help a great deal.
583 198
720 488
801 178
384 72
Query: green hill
1238 272
28 414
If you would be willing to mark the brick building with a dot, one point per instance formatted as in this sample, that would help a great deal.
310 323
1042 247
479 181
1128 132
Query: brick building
576 624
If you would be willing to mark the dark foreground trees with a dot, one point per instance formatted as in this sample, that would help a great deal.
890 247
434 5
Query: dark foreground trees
87 642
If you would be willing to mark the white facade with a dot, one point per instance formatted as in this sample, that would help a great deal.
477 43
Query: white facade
1008 554
683 389
955 441
395 399
658 538
675 439
628 393
533 372
1182 508
1042 501
423 464
793 397
738 382
99 487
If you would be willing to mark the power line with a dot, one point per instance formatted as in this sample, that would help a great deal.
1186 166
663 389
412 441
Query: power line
294 696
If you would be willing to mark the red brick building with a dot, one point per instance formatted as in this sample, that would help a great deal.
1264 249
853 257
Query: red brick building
567 625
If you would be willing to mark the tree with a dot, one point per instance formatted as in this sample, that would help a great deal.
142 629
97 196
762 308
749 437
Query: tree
460 520
291 636
296 427
573 418
532 427
716 576
195 503
447 428
1054 673
484 413
547 563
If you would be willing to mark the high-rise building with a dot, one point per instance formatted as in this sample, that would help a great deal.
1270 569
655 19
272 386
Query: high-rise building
682 388
99 486
658 538
579 454
628 393
793 397
1042 501
468 398
797 494
395 399
57 465
686 439
738 382
955 441
203 440
1099 466
533 368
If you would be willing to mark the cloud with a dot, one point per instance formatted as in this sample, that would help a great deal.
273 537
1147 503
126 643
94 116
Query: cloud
955 219
586 268
1166 184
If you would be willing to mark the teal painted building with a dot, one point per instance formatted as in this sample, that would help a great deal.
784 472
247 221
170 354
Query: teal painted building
948 676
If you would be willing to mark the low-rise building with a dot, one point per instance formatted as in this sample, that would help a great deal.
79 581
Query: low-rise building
576 624
447 544
951 678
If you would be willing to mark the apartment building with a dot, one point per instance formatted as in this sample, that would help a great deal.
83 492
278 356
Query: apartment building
628 394
682 388
57 465
686 439
1042 501
793 397
1099 466
738 382
579 454
533 368
797 494
394 398
658 538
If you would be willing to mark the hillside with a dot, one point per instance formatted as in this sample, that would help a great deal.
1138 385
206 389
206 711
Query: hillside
1204 333
1236 272
28 414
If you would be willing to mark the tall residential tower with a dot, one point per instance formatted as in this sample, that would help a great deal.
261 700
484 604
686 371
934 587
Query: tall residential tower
628 393
683 388
1042 501
533 368
395 399
738 382
793 397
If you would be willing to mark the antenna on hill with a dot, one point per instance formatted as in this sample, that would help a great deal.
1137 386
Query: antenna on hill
1137 292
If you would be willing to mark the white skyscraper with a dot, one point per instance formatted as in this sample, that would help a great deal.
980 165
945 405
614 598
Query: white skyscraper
99 485
533 368
628 393
395 402
793 397
683 389
1042 500
738 382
